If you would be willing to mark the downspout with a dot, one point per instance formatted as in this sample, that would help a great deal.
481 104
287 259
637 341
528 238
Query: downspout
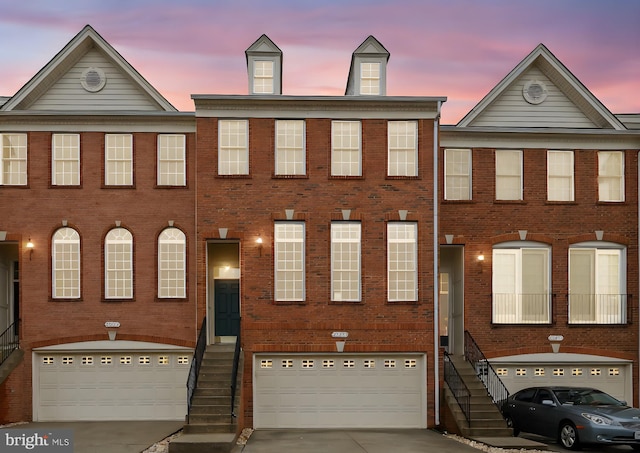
436 245
638 228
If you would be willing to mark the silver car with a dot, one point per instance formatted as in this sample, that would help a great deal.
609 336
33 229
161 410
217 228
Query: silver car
574 416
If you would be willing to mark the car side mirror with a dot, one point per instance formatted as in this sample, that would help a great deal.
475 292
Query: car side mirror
548 403
623 403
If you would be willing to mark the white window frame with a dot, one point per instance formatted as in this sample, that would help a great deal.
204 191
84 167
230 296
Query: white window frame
290 155
172 264
65 159
233 147
511 289
402 262
560 175
457 174
118 159
402 152
611 186
346 148
65 264
370 78
118 264
606 299
172 164
346 249
289 261
13 159
263 76
508 174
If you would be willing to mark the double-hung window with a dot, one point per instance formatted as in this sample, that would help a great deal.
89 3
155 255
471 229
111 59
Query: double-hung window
13 159
560 185
597 283
172 264
345 261
370 78
118 264
508 175
402 262
521 288
118 156
402 138
65 264
290 148
172 166
65 165
610 176
263 77
457 174
289 265
233 147
346 152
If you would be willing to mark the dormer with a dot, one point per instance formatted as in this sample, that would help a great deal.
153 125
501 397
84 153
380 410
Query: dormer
368 72
264 67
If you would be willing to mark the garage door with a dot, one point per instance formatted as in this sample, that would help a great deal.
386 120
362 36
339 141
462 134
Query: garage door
607 374
339 391
110 385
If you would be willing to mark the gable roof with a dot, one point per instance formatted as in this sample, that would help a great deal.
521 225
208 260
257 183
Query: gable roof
581 109
263 45
370 47
84 43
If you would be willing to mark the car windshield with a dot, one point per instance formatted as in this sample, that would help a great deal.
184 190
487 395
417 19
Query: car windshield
586 397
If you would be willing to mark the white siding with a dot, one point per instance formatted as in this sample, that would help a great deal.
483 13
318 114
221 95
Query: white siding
120 92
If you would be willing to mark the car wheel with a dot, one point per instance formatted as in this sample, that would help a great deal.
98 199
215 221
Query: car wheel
510 424
568 436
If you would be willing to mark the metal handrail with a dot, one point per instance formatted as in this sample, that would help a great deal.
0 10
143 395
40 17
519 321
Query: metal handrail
234 371
457 386
8 342
492 382
196 362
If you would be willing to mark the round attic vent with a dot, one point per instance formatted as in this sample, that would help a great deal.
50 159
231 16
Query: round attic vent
93 79
534 92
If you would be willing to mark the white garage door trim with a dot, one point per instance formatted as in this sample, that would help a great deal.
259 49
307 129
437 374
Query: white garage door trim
339 390
110 380
608 374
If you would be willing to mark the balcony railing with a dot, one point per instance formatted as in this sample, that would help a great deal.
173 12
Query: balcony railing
510 308
598 308
8 342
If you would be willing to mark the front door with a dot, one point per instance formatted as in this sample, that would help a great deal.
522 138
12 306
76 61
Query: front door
227 308
452 297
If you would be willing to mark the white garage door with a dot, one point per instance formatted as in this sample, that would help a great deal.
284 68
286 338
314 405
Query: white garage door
110 385
339 391
607 374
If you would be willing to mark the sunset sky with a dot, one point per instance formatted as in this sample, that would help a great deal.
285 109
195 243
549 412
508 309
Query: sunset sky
459 49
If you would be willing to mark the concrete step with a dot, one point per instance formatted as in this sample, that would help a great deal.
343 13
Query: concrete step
207 391
487 432
219 409
213 419
203 443
201 428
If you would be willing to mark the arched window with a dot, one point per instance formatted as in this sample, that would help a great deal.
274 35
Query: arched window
118 264
172 264
65 263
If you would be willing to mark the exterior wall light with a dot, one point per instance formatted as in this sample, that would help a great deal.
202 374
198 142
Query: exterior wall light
259 242
30 247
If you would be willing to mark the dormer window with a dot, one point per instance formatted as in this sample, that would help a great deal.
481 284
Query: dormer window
370 78
263 77
264 66
368 72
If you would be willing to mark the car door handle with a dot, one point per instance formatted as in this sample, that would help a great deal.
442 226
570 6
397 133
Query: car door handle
532 408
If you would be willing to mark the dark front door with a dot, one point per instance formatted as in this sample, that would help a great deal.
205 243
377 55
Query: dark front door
227 312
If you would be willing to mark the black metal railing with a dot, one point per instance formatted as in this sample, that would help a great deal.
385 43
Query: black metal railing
234 371
457 386
8 342
494 385
512 308
196 362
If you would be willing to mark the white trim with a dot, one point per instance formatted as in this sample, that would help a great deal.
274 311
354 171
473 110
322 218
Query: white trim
560 357
117 345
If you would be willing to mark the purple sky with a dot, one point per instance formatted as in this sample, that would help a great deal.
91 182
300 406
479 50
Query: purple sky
455 48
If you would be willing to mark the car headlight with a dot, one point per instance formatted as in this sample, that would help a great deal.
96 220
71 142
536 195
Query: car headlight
598 419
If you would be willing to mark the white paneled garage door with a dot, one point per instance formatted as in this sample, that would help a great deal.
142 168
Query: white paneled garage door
339 391
110 385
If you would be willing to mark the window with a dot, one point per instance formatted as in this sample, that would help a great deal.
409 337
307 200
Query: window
171 160
13 159
118 266
345 148
65 262
290 147
345 261
118 156
402 261
521 290
560 176
65 167
610 176
263 77
508 175
370 78
289 261
457 174
403 148
172 263
597 283
233 147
